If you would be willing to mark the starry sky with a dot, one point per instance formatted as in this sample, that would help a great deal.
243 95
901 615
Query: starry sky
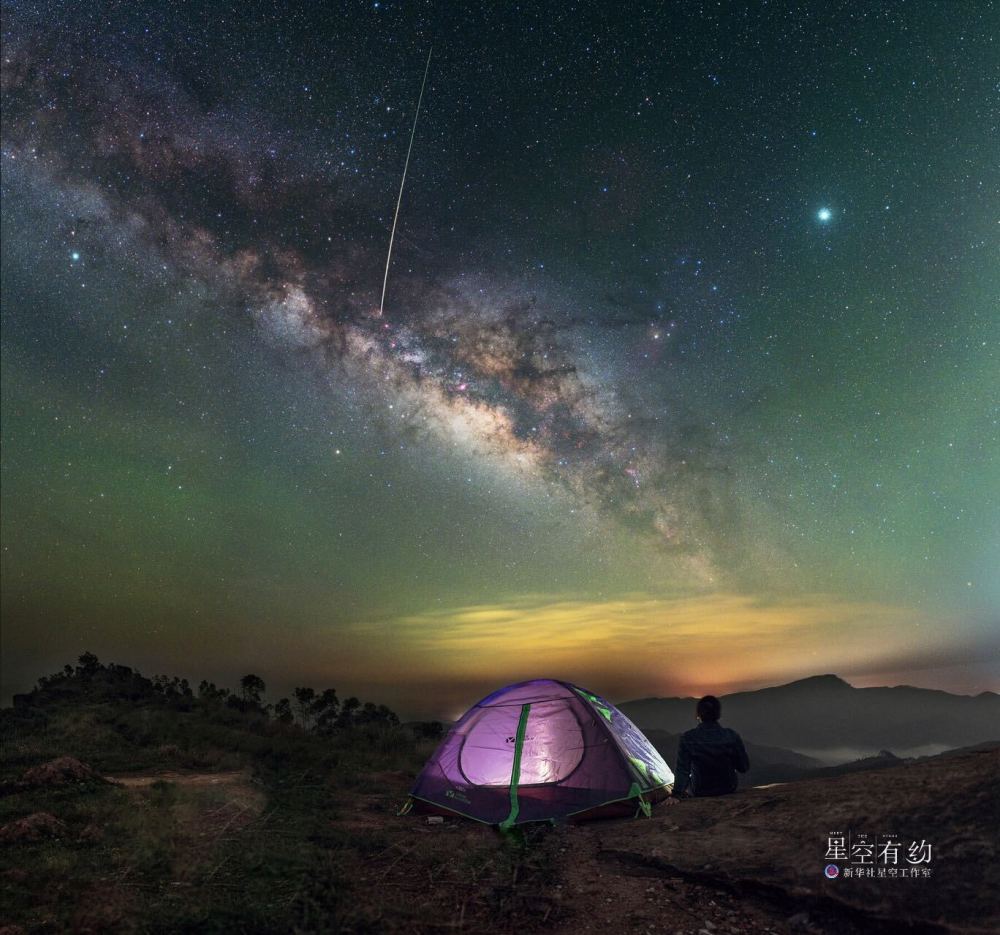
687 377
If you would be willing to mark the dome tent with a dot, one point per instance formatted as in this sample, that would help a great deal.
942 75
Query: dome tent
543 750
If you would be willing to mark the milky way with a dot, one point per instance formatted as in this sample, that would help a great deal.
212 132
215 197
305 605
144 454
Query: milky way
296 250
690 333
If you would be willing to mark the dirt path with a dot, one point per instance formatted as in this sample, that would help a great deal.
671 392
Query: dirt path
242 795
138 780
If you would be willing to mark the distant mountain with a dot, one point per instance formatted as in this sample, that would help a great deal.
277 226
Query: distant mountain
827 713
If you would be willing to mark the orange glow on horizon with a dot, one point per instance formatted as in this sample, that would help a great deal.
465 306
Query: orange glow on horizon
689 645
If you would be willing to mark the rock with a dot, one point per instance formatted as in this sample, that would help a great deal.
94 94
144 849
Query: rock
62 770
35 827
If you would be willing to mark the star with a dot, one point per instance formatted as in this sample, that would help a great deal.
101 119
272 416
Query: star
611 448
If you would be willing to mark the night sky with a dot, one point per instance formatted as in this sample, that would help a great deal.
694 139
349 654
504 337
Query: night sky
687 378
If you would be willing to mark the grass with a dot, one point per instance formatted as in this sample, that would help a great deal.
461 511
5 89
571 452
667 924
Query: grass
305 839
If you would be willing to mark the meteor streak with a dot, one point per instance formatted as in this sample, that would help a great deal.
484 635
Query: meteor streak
406 166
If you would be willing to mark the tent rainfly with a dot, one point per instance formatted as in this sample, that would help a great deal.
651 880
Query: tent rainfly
542 750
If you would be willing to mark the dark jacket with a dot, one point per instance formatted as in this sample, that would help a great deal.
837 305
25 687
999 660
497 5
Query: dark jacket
707 759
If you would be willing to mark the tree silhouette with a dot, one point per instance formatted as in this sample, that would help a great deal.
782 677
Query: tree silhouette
304 698
325 709
283 711
90 665
208 692
347 712
252 687
323 713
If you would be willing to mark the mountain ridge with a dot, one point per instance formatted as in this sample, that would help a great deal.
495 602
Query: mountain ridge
825 712
828 678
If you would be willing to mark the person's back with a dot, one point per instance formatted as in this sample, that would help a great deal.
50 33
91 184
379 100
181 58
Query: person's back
709 755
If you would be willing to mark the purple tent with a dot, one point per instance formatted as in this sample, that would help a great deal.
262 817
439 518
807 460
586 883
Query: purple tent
542 750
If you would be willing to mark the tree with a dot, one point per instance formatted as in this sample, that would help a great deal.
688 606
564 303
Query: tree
347 710
371 713
325 709
387 715
431 729
89 666
252 687
283 711
207 692
304 698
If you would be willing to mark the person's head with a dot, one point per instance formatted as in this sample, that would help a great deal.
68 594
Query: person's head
709 708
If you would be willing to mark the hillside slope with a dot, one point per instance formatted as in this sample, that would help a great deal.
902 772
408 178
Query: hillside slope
755 860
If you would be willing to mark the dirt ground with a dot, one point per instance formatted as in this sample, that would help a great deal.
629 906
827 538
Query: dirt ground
241 792
224 804
751 862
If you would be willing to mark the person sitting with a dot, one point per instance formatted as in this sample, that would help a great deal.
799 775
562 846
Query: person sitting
708 756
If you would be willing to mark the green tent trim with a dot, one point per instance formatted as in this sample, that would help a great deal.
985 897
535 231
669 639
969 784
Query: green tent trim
515 772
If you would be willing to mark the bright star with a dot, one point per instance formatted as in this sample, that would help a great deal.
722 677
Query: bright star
74 256
824 214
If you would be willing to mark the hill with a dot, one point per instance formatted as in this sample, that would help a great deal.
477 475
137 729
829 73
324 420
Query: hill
163 813
825 713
